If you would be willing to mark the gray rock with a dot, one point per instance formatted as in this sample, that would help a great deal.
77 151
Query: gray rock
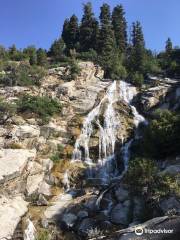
170 204
42 201
138 209
121 194
82 214
69 220
11 211
119 214
86 225
13 162
45 189
172 170
60 203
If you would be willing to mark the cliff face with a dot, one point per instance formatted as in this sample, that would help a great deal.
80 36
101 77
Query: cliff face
35 157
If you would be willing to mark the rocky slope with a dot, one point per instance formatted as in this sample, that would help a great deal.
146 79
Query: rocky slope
32 186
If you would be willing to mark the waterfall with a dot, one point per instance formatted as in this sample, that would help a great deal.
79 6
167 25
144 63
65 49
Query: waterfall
30 232
107 130
127 93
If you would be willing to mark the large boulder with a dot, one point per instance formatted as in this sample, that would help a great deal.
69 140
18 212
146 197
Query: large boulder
120 213
13 162
11 211
121 194
87 225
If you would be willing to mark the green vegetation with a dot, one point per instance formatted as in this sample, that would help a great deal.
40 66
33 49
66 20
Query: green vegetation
21 74
58 155
43 235
103 41
143 176
42 107
7 110
161 137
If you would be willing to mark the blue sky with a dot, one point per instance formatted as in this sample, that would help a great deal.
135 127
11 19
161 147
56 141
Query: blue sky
39 22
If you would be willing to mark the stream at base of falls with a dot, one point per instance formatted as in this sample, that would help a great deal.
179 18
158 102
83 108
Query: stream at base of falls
106 166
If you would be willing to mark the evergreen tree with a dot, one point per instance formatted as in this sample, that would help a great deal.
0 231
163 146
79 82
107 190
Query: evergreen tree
106 38
57 49
168 47
88 29
120 27
65 31
137 53
70 33
41 57
15 54
30 54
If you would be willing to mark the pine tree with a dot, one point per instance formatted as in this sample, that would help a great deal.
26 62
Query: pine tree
120 27
88 29
57 49
138 48
70 33
106 42
65 30
30 53
41 57
168 47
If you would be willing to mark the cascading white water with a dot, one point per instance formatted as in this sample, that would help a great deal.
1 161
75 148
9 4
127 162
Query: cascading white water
107 130
30 232
127 93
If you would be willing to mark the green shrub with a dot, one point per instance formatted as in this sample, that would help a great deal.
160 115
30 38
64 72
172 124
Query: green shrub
22 74
91 55
137 79
73 70
143 173
42 107
161 137
43 235
58 154
7 110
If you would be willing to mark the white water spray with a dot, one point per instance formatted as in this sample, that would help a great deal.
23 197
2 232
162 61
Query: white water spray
107 130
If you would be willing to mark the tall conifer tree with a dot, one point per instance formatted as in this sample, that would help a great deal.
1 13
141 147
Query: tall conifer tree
70 33
106 37
88 29
120 27
138 48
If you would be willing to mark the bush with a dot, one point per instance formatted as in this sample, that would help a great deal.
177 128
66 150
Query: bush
73 70
43 235
7 110
22 74
91 55
143 173
161 137
58 154
42 107
136 78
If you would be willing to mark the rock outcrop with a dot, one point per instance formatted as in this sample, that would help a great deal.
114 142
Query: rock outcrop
11 212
